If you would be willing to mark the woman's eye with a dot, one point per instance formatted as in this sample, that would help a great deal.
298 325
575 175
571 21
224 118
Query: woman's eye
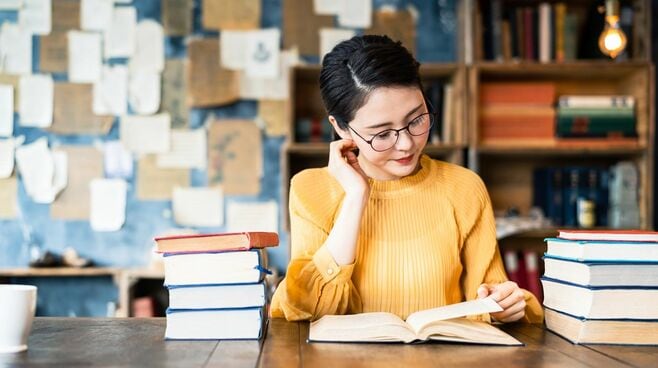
383 135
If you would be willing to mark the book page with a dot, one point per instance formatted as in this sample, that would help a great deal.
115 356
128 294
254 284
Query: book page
377 326
467 331
422 318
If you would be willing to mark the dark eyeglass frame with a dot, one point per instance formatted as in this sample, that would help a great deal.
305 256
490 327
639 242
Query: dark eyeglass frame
432 116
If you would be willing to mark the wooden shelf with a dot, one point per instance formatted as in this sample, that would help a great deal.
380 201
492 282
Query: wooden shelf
565 147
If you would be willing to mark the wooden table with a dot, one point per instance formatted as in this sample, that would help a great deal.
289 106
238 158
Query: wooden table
138 342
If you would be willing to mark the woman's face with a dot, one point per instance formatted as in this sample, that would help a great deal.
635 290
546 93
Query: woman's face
389 108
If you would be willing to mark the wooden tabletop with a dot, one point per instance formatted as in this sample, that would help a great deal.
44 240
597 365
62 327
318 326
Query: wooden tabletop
139 342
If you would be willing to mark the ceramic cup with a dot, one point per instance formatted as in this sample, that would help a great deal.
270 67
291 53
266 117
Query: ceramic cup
17 306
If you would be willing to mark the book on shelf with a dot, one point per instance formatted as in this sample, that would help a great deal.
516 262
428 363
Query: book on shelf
216 324
607 273
216 242
217 296
602 302
601 250
593 101
234 267
609 235
531 268
601 331
443 323
528 93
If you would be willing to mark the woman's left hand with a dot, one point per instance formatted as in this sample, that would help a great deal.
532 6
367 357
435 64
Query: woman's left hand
509 296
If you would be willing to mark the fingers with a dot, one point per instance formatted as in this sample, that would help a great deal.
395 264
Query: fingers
509 318
512 299
341 149
483 291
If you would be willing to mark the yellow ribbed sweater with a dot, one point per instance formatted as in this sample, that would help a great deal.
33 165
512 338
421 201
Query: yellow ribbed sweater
426 240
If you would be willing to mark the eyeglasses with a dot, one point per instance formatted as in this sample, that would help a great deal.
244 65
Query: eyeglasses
386 139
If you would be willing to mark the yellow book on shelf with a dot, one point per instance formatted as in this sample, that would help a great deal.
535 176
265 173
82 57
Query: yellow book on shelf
443 323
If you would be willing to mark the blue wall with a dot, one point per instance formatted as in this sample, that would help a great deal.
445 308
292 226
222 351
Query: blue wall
131 246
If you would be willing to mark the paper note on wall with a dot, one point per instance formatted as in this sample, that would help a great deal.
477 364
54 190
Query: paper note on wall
187 150
398 25
118 161
144 91
177 17
120 35
154 183
230 14
10 4
6 157
85 164
53 50
111 91
235 158
84 54
276 115
36 100
252 216
232 49
6 110
73 113
8 198
107 204
301 26
262 50
145 134
35 16
15 49
149 47
173 92
44 173
12 80
198 207
96 15
327 7
356 14
270 88
330 37
65 15
208 84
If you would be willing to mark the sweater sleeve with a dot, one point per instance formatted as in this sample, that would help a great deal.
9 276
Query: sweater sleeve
315 285
480 255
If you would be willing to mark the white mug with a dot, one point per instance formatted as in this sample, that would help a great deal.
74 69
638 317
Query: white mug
17 306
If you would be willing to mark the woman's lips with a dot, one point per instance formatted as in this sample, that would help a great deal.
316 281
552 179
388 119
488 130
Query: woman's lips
405 160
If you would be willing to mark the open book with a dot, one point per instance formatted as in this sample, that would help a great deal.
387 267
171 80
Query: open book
443 323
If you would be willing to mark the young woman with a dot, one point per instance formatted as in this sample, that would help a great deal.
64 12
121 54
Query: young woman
384 227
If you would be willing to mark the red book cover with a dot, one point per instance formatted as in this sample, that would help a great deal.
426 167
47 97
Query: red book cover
531 261
216 242
521 93
512 266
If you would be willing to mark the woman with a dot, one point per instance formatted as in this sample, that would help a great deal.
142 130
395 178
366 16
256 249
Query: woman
384 227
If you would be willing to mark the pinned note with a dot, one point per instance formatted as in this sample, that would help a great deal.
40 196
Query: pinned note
96 15
232 51
15 49
154 183
198 207
36 100
73 111
252 216
35 16
110 93
144 91
398 25
262 51
145 134
107 204
65 15
270 88
6 157
188 150
208 84
120 35
6 110
44 173
301 26
177 17
276 115
330 37
85 165
84 57
149 47
230 14
173 92
356 14
53 50
8 198
118 161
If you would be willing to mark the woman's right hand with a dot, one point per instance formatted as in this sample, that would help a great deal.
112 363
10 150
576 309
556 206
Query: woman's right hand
344 166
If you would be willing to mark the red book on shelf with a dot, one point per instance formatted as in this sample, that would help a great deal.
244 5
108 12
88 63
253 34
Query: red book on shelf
524 93
610 235
533 284
216 242
513 267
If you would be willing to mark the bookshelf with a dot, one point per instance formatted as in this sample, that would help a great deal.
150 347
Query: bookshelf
507 166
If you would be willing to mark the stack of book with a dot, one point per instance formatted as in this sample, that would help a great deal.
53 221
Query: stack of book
596 117
517 111
601 287
216 285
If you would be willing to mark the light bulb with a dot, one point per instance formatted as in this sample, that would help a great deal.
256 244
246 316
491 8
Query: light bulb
612 40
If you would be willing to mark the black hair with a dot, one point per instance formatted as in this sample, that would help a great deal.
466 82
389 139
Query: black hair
357 66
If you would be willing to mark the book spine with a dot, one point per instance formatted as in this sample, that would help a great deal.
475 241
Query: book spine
596 101
559 10
544 33
533 283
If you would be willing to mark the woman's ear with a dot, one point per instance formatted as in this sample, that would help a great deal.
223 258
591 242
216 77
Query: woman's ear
344 134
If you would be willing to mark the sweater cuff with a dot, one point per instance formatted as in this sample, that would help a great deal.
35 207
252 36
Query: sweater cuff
328 267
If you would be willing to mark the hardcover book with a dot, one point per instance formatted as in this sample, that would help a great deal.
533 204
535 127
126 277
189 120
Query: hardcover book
216 242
